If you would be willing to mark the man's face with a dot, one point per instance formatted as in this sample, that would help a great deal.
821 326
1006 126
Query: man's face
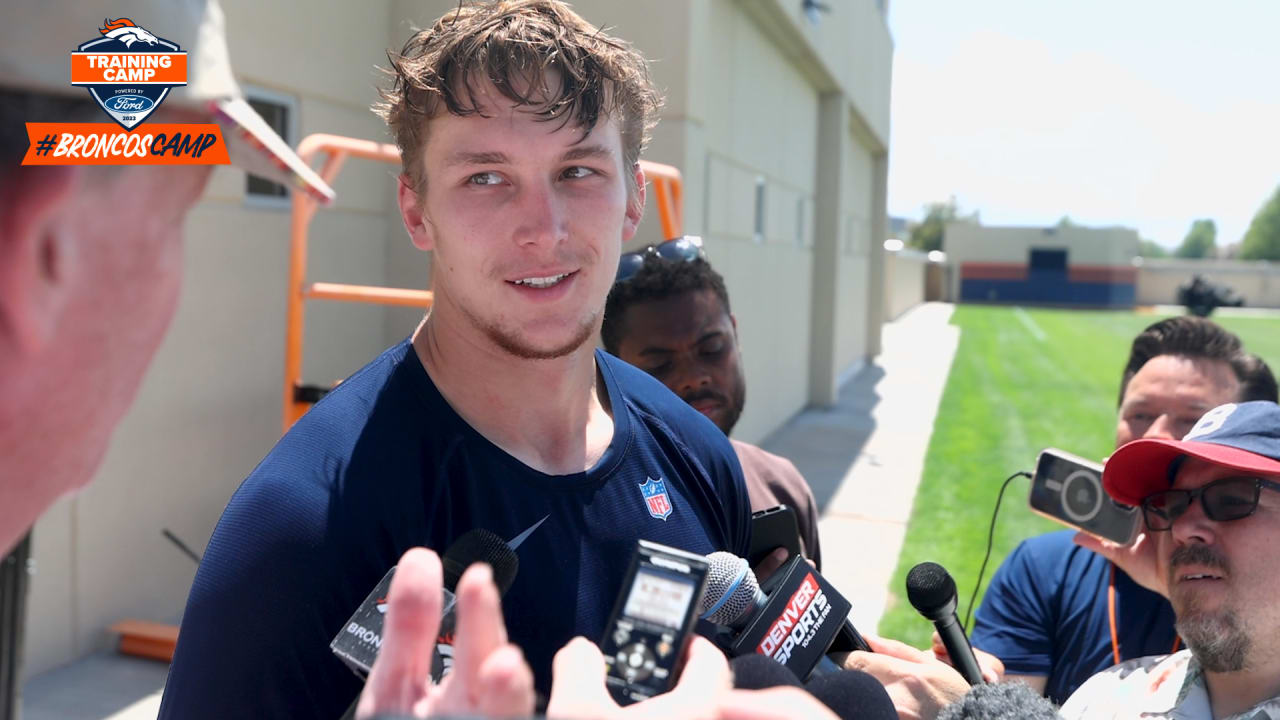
127 288
1223 579
1166 397
107 296
526 219
690 343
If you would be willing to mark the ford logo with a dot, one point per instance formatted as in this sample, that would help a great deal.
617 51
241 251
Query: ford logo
129 103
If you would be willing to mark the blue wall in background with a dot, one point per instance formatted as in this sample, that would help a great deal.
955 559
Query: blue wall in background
1049 288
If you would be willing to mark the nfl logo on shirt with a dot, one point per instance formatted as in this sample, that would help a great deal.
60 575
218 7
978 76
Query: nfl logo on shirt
655 498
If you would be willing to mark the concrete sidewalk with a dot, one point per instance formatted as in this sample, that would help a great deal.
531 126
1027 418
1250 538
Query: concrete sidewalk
864 456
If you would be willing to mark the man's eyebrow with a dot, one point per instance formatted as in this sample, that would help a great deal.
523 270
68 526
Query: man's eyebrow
583 152
652 350
464 157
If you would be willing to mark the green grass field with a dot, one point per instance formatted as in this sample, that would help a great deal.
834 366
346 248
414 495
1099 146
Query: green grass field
1022 380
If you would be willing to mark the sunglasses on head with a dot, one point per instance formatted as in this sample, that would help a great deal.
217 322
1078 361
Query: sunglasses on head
682 249
1223 500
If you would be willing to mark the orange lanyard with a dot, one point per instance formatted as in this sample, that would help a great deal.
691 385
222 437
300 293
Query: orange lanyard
1111 613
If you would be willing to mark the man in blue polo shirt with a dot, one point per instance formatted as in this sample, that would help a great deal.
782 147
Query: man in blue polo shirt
1065 605
520 127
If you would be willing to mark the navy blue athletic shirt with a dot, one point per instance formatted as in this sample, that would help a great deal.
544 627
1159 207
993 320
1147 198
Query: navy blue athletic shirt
1045 613
383 464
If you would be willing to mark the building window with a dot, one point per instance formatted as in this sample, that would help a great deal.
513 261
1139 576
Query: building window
280 112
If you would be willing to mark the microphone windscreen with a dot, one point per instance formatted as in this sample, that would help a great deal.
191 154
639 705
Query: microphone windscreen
731 588
853 694
1003 701
930 588
758 672
480 545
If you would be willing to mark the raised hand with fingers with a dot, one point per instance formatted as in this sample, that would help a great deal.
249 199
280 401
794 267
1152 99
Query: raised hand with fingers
490 677
1137 559
703 692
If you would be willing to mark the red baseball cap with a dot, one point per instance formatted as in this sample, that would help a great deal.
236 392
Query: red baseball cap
1240 436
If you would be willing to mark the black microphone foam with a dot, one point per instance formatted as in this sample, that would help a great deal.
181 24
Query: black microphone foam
853 694
758 672
931 590
480 545
932 593
1003 701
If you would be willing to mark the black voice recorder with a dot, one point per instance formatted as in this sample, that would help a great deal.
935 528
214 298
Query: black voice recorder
652 621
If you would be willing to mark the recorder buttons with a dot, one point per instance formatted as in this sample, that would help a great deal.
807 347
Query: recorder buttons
637 662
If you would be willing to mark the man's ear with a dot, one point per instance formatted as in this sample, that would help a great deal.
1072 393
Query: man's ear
733 320
37 253
635 205
413 214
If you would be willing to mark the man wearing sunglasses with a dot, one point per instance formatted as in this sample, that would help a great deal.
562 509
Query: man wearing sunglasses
1066 605
668 314
1211 504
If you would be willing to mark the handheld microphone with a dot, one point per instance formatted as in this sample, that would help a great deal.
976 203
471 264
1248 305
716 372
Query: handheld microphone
1002 701
853 694
932 593
794 621
358 643
848 693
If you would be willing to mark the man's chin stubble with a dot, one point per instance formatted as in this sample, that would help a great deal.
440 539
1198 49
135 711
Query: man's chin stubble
512 344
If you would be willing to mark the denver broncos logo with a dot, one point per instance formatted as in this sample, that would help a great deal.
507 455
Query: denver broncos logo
124 30
127 70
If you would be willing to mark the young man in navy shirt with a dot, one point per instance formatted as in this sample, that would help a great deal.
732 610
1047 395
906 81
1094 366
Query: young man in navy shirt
1064 606
520 127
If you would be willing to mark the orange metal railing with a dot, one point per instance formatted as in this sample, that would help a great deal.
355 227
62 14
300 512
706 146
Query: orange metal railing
668 193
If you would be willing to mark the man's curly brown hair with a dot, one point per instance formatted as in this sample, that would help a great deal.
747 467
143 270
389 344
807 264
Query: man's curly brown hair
512 44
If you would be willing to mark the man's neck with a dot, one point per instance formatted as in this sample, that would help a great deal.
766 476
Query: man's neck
552 415
1235 692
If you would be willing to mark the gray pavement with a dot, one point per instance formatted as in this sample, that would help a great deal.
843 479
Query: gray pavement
863 457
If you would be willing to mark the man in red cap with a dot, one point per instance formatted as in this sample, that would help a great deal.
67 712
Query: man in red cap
1211 501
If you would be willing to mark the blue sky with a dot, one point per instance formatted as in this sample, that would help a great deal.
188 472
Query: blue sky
1116 112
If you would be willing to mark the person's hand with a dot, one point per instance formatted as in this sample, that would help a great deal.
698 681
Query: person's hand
703 692
1137 559
774 560
919 684
780 703
578 689
490 677
990 665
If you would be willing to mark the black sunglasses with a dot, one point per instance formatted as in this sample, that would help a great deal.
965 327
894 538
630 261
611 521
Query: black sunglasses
682 249
1223 500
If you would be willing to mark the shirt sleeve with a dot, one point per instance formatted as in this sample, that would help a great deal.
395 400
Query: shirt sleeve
737 503
254 637
1015 619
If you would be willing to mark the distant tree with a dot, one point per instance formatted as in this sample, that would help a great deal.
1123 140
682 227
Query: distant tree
927 235
1151 249
1262 241
1067 222
1200 242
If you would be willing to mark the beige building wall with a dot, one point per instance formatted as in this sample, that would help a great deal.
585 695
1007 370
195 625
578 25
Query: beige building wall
747 82
1258 282
904 273
969 242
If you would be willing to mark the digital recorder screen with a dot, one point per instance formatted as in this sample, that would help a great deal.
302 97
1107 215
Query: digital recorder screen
659 599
